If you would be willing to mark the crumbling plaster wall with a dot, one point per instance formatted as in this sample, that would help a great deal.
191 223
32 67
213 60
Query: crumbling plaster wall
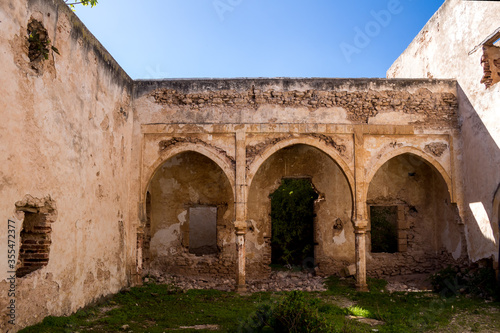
188 180
299 120
446 48
66 137
333 229
433 229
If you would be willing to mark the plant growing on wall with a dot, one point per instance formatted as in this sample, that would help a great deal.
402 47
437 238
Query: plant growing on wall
292 216
72 3
39 42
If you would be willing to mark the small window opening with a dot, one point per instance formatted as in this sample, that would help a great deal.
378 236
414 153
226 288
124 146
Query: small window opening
388 229
203 230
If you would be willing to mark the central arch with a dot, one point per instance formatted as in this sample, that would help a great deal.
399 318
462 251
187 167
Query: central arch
333 153
333 230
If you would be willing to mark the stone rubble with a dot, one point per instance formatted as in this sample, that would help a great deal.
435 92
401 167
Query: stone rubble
277 281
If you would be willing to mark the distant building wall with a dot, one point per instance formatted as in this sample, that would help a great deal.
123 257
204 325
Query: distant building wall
449 46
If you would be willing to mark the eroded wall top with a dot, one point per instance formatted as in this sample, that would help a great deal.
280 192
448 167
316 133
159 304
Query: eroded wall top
341 101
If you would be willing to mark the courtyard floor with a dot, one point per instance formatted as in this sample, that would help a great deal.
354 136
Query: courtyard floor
165 304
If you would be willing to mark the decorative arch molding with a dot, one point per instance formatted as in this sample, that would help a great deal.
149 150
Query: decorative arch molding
412 151
309 141
210 152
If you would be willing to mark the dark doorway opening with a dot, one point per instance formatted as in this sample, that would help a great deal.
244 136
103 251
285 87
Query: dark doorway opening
292 219
384 228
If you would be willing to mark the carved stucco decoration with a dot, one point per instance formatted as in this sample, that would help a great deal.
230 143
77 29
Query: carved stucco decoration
436 148
255 150
165 144
258 149
329 141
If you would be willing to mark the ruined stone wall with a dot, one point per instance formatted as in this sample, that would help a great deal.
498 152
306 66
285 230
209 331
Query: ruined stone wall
66 138
316 101
293 128
450 46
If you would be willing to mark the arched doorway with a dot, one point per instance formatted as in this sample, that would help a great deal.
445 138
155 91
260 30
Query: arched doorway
292 223
190 209
409 206
334 244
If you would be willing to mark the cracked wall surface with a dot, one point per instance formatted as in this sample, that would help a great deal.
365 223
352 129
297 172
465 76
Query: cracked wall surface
66 136
448 47
282 140
126 161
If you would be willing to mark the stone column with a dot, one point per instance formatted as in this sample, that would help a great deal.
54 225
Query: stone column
360 227
360 220
240 210
139 258
241 253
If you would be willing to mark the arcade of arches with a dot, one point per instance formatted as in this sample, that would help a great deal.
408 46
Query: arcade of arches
205 187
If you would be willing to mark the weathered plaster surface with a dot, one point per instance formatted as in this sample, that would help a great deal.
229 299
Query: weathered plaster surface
432 224
209 113
449 46
65 134
122 161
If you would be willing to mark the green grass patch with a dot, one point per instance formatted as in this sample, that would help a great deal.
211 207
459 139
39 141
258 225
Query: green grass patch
159 308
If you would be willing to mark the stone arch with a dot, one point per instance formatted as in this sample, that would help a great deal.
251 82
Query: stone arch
412 151
408 203
187 183
333 230
226 164
309 141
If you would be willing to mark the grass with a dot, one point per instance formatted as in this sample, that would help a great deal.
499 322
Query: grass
159 308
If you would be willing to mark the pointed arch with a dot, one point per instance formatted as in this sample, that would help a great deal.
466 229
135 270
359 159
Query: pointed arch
411 151
224 163
308 141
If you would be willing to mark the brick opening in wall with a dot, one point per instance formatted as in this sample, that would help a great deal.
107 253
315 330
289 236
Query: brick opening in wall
490 60
35 235
388 232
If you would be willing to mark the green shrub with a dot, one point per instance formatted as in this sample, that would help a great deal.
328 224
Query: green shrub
452 281
293 313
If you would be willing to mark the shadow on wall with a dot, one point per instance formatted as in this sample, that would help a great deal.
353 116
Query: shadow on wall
481 157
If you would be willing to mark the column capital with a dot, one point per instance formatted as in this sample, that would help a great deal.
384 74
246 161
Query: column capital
241 227
360 226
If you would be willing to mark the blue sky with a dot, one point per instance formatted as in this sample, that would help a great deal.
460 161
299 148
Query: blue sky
256 38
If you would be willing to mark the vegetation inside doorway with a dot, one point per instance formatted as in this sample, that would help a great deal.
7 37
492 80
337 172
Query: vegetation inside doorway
292 219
